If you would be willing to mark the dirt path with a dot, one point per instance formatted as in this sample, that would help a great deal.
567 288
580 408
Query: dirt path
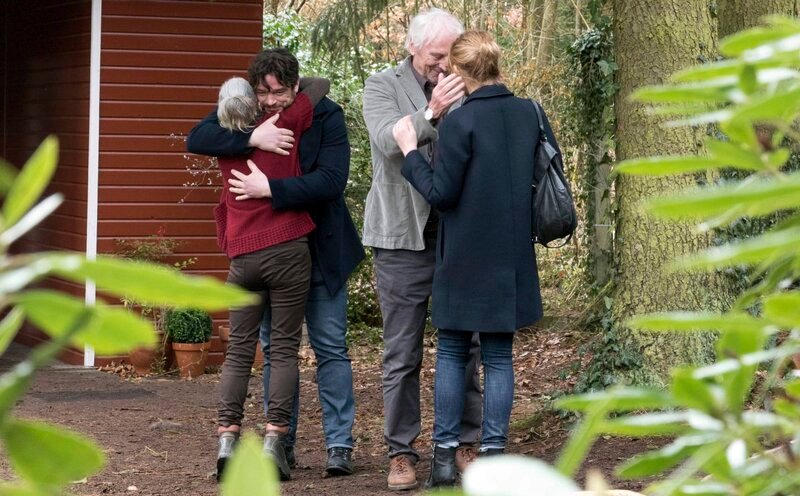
159 432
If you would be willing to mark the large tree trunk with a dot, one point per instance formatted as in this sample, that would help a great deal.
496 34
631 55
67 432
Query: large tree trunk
736 15
654 39
548 33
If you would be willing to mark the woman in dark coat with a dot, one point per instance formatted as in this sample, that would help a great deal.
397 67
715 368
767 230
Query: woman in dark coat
486 279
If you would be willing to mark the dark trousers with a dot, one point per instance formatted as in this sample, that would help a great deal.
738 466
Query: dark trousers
404 280
281 275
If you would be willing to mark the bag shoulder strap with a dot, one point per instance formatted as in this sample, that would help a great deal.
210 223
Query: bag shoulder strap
540 119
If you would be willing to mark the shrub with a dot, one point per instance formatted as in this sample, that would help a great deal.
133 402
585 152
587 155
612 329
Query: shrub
188 325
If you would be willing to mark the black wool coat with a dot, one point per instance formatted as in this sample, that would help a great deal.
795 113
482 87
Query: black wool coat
486 277
325 164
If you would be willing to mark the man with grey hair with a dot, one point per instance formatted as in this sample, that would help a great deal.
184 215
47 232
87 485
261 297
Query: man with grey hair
401 228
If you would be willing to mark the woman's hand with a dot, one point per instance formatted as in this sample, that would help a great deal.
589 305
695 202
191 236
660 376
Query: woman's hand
405 135
253 185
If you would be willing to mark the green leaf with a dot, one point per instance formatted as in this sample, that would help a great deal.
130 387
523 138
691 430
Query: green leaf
7 175
9 326
249 472
757 197
769 247
735 45
620 399
793 388
151 284
741 131
697 92
733 155
777 159
787 409
706 72
649 424
748 81
31 219
46 454
664 166
658 461
695 321
783 309
691 392
767 422
727 366
31 181
16 489
735 342
582 437
109 330
783 105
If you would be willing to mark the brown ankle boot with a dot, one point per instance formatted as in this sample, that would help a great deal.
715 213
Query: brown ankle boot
402 474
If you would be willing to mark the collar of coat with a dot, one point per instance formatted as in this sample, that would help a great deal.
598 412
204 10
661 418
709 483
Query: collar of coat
410 84
489 91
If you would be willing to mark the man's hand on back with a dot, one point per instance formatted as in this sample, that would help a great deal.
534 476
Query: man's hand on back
253 185
446 92
271 138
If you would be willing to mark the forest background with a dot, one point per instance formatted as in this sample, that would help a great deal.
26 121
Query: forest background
581 59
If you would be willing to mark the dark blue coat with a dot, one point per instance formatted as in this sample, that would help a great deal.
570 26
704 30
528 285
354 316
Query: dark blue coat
486 277
325 163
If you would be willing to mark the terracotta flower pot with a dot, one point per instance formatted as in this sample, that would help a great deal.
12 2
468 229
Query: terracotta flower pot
191 358
225 336
142 360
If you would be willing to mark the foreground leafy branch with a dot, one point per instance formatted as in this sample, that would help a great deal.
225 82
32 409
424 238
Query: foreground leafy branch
721 442
47 458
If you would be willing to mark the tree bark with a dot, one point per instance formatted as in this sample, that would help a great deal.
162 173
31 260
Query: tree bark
548 32
736 15
653 40
533 27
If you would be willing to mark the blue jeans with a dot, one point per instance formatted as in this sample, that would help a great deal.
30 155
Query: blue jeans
326 318
452 355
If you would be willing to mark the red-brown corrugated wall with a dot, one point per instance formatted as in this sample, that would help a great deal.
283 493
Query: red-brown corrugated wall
46 91
161 66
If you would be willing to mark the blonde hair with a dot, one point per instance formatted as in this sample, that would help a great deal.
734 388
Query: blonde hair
476 56
237 106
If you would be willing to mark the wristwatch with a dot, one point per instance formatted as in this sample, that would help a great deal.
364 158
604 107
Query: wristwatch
428 115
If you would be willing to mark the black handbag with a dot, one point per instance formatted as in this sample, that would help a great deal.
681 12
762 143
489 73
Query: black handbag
553 214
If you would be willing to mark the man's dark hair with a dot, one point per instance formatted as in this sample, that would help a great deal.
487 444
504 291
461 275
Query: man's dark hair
276 61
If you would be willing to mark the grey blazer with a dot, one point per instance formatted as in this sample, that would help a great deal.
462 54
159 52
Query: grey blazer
395 213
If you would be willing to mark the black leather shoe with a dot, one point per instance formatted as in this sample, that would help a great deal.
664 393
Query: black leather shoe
491 452
273 449
340 461
227 442
443 468
290 459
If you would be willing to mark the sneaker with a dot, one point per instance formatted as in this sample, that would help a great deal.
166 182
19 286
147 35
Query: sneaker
491 452
340 461
465 455
273 449
402 474
227 442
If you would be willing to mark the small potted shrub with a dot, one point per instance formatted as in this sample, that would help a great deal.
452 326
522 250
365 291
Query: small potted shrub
190 333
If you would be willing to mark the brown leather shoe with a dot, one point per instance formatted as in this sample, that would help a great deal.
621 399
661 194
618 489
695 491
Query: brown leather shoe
465 455
402 474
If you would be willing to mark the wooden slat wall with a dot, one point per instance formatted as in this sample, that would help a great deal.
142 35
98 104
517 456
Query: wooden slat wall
46 91
161 66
